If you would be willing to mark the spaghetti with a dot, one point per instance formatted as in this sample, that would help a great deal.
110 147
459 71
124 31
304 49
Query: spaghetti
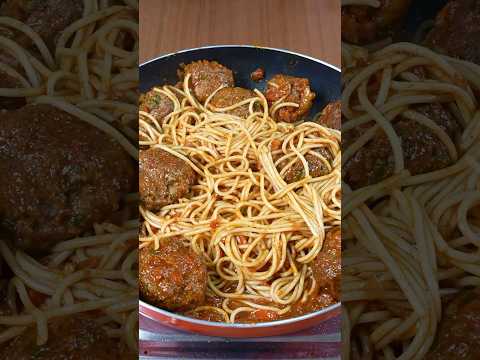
257 234
93 75
409 240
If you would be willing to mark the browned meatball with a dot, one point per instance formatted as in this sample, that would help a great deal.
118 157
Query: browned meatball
156 104
164 178
230 96
457 30
365 24
206 77
331 116
422 150
59 176
459 331
46 17
316 167
327 266
173 277
76 337
292 89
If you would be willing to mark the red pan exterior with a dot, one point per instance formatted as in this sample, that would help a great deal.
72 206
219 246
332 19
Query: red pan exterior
275 328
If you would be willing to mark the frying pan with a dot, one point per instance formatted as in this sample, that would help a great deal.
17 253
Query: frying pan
243 60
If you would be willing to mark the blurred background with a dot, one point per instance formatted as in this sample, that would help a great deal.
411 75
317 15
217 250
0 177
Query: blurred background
170 25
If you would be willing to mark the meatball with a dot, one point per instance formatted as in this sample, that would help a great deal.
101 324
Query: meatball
318 300
316 167
459 330
76 337
291 89
60 175
206 77
365 24
48 18
422 150
164 178
156 104
9 82
229 96
457 30
327 266
331 116
173 277
258 74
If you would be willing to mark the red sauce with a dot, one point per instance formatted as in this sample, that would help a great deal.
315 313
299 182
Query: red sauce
258 74
242 240
36 298
214 224
314 303
90 263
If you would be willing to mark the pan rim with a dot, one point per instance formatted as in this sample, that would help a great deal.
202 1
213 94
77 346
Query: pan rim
242 46
237 325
